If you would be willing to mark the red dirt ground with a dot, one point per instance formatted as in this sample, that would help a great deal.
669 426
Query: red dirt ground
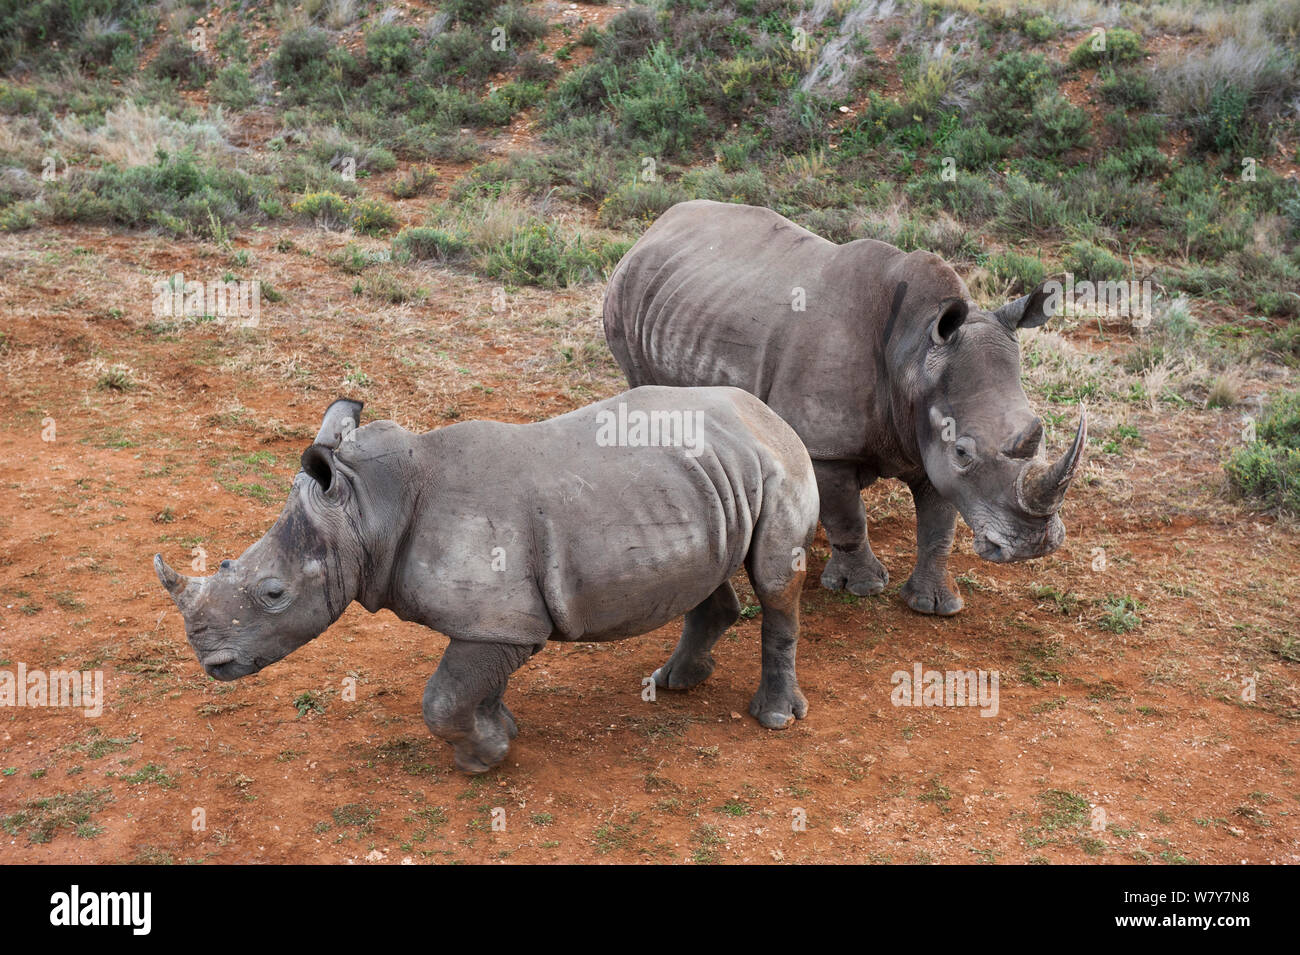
1147 726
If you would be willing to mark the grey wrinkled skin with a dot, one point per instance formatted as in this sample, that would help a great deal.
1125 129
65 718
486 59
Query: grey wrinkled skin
506 536
890 371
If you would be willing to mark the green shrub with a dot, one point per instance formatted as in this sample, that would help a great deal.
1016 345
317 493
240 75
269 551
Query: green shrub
1118 46
521 26
1229 94
18 216
1014 83
1028 208
327 209
1039 28
1127 88
417 181
658 101
974 147
1087 261
390 48
533 69
300 63
19 100
176 61
1121 614
372 217
1058 126
542 254
1268 474
234 88
179 194
471 11
749 187
464 56
1268 468
44 30
1022 272
421 242
629 36
640 201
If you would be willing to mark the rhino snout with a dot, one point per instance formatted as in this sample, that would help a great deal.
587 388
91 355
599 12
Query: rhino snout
999 548
218 658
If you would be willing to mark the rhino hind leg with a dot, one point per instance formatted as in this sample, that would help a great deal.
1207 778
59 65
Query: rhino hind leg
927 591
778 585
692 661
853 566
463 701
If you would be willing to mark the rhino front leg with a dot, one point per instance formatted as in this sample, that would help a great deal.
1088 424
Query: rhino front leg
926 591
852 565
691 663
463 701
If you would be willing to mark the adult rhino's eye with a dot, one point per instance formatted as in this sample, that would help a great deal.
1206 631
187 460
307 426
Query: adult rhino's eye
963 455
272 593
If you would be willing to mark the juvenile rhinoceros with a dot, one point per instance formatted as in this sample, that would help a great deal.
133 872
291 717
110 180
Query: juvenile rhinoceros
878 359
604 523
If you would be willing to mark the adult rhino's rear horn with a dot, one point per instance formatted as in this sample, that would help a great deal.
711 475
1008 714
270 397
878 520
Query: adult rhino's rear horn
177 584
1041 488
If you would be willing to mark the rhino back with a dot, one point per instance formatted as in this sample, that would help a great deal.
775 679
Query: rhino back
537 532
707 297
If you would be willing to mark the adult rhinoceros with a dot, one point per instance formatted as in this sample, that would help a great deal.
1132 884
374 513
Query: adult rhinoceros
603 523
879 360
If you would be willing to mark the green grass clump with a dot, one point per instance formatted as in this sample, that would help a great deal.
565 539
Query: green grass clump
1117 46
542 254
177 61
233 87
43 817
423 242
1014 83
1023 272
180 194
1087 261
639 201
1120 614
1127 88
372 217
1268 468
326 209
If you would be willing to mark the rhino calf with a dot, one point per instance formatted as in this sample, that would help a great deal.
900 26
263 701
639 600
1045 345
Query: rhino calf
604 523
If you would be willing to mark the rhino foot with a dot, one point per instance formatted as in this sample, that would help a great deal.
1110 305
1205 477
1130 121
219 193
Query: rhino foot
860 573
683 674
777 709
931 598
508 720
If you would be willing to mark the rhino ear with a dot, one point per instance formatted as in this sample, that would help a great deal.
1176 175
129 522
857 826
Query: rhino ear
951 314
318 462
1032 310
341 419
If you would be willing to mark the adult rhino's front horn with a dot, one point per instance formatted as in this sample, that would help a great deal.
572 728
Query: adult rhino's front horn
183 589
1041 487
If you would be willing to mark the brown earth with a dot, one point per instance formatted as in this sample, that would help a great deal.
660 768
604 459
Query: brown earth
193 439
171 435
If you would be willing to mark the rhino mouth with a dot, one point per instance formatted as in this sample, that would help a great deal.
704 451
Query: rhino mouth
1000 547
225 665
